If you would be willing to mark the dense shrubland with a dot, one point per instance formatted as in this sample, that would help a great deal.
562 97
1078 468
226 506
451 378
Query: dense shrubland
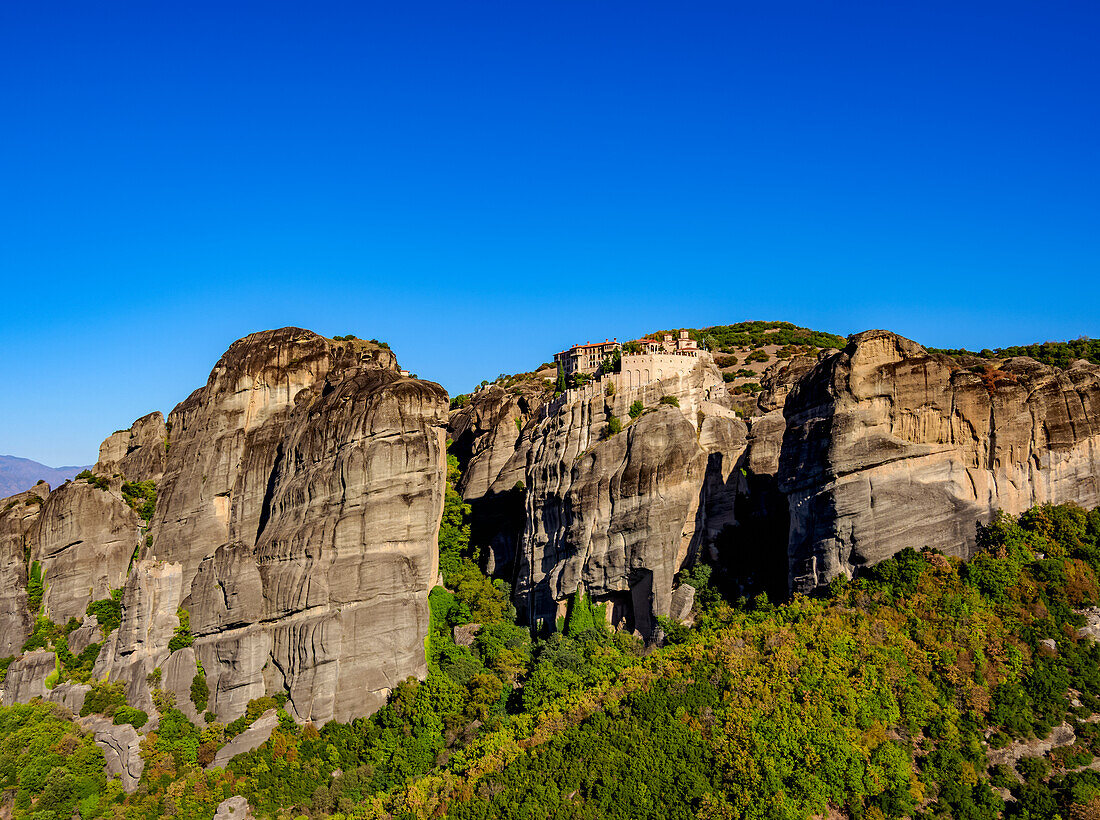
730 338
1058 354
884 697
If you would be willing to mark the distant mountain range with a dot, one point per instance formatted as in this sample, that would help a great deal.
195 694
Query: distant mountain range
18 474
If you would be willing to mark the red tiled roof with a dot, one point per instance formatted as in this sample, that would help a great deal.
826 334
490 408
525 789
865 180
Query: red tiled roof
597 344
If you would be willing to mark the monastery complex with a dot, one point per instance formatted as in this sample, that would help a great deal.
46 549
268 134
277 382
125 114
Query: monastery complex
649 360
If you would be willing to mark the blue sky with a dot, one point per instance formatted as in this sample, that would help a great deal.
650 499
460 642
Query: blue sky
484 183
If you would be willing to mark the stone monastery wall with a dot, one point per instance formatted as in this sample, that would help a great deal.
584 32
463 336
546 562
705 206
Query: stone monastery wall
638 369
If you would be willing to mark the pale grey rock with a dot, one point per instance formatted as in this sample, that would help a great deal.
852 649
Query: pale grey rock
236 663
26 678
887 446
347 553
683 599
486 432
121 747
137 454
85 635
233 808
490 438
621 515
1091 629
69 695
251 738
18 515
1061 735
301 498
225 437
177 674
149 602
298 509
84 538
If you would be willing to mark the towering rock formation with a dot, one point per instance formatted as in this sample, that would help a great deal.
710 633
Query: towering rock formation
620 514
300 493
18 515
487 431
299 498
490 438
299 506
887 446
226 436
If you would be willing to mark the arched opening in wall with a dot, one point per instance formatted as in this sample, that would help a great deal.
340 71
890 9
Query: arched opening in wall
658 375
647 375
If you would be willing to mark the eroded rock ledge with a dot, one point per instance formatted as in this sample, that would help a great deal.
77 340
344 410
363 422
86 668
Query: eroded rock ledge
888 446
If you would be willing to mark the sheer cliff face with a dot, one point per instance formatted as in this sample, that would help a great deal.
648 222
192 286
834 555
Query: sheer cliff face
620 514
330 604
18 515
84 538
296 522
887 446
224 438
490 437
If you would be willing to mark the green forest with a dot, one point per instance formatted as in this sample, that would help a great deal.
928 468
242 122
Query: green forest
890 695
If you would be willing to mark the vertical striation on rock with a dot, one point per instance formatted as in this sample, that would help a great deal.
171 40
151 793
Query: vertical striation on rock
887 446
296 522
226 435
620 514
339 577
84 538
490 438
18 515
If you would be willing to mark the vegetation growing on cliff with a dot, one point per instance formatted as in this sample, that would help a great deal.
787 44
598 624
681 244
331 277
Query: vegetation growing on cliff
99 481
141 496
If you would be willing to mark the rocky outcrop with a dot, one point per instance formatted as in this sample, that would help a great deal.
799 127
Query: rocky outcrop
140 645
177 674
490 438
226 436
300 491
137 454
26 678
345 558
84 538
18 515
486 432
233 808
296 522
887 446
85 635
251 738
121 746
620 513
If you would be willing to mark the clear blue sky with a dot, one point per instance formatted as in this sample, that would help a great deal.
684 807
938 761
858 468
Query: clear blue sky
484 183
